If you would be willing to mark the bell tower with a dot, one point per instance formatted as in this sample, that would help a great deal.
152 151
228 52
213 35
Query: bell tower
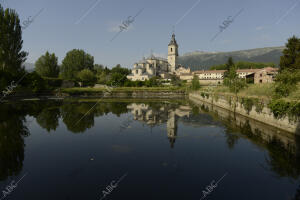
172 54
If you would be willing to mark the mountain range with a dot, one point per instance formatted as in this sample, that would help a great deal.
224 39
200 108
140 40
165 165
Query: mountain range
199 60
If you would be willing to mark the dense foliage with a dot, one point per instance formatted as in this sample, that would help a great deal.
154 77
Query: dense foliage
11 55
75 61
47 65
87 77
290 60
233 81
281 108
289 74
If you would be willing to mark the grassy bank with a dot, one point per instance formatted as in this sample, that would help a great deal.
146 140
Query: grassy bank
261 91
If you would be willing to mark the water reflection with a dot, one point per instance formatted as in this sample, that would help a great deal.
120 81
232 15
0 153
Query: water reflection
157 114
12 133
282 148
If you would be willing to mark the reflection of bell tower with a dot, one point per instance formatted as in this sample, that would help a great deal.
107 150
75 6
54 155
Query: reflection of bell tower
172 127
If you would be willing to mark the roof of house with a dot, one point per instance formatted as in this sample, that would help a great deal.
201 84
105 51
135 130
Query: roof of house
248 70
209 71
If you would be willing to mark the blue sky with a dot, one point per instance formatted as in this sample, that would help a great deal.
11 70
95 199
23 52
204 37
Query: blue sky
91 24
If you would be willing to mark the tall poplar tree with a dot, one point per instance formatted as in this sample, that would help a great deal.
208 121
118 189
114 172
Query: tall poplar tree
11 55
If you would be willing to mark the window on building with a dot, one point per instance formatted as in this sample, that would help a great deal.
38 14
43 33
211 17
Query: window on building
260 75
171 49
260 81
136 71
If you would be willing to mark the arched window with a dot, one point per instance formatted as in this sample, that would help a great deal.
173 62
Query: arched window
171 49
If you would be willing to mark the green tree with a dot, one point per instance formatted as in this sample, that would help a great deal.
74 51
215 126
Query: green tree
75 61
119 69
98 68
11 55
228 65
289 73
117 79
47 65
233 81
87 77
195 83
290 59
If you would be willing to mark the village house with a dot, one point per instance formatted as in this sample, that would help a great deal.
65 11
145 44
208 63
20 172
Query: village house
216 77
265 75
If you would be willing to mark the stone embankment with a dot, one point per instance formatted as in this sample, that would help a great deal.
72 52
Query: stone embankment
257 110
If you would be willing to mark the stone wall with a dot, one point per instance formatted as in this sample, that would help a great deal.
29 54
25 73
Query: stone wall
260 113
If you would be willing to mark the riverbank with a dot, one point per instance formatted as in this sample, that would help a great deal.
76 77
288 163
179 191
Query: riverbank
254 108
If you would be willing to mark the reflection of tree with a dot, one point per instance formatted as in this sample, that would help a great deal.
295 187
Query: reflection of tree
48 118
231 139
230 133
195 110
12 133
282 161
78 117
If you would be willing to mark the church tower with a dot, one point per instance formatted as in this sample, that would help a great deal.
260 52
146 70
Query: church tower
172 54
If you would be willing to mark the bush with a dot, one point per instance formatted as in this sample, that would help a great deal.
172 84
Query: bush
286 82
247 104
281 108
87 77
34 82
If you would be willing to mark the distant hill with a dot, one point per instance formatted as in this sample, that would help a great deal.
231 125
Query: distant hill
204 60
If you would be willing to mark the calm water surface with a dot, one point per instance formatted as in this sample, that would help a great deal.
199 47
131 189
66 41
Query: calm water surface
142 150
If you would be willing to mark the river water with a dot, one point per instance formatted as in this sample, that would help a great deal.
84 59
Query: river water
142 149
